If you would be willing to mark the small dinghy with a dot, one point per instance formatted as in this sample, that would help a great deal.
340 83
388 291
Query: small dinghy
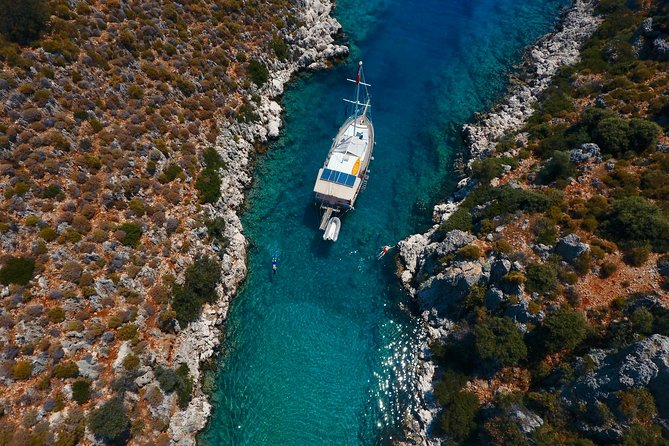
332 229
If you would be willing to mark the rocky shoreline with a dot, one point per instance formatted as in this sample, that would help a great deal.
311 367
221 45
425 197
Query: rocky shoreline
314 45
541 62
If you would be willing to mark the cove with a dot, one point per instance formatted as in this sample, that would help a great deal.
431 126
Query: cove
322 352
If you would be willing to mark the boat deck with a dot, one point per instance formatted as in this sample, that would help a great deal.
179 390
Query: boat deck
339 181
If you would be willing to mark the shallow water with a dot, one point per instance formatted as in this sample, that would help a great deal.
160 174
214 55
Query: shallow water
321 353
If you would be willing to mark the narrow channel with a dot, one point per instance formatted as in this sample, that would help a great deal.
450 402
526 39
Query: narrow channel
321 353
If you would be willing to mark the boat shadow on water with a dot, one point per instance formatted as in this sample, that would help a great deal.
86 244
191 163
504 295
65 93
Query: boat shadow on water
310 219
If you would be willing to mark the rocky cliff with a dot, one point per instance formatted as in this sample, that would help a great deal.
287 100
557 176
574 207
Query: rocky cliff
419 252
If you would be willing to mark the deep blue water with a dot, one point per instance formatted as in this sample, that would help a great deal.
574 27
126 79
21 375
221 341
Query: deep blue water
322 353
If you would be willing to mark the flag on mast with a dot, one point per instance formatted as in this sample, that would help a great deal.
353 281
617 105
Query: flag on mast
357 76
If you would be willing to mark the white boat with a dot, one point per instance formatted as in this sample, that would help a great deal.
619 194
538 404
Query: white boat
345 171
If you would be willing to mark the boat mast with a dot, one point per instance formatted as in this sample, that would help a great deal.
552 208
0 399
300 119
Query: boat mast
357 96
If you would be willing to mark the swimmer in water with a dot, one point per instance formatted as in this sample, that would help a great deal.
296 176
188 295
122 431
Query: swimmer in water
384 251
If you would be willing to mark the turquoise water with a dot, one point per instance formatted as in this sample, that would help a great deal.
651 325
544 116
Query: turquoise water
322 352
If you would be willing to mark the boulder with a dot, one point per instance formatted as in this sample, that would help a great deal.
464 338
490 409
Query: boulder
494 298
499 269
570 247
453 241
660 49
104 287
520 312
542 251
526 420
88 368
642 364
585 153
447 288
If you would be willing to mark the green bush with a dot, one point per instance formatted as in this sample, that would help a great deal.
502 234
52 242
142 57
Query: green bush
208 185
541 278
22 370
612 135
607 269
81 391
131 362
246 113
199 287
644 435
449 385
17 270
459 418
642 321
184 386
127 332
469 252
56 315
636 256
178 380
643 134
51 191
22 21
506 200
486 169
460 219
110 421
637 221
67 369
170 172
167 378
279 47
48 234
258 72
558 168
132 234
498 340
546 232
563 329
212 159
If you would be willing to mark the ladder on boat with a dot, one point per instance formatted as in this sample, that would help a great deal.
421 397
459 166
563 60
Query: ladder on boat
363 186
325 219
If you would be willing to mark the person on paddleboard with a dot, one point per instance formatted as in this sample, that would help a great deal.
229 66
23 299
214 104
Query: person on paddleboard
274 262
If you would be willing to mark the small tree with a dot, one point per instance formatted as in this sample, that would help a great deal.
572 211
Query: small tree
497 339
635 220
541 278
17 270
563 329
643 134
81 391
22 21
110 421
208 185
132 233
459 417
258 72
559 167
612 135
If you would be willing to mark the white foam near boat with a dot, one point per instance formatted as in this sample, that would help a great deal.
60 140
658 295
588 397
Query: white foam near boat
345 171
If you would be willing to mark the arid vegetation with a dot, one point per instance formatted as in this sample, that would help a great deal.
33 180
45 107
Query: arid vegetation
572 216
110 111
